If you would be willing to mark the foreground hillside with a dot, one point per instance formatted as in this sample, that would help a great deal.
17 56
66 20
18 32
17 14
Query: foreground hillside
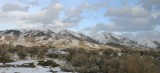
20 59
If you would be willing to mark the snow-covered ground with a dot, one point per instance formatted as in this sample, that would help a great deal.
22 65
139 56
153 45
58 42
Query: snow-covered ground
37 69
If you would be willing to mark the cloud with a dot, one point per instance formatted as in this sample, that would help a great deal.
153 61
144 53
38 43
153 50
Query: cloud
11 17
13 7
127 11
35 2
150 4
6 18
92 30
95 29
142 34
94 6
131 19
73 15
52 15
46 16
124 2
55 14
146 34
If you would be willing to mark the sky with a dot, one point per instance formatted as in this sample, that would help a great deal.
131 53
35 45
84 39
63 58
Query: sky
129 18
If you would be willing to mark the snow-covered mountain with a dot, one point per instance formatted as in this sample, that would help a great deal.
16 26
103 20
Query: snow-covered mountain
148 42
108 38
63 38
66 38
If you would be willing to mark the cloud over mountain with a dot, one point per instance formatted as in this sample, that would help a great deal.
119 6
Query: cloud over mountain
122 16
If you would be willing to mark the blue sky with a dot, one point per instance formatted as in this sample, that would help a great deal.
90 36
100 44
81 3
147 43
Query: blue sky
91 16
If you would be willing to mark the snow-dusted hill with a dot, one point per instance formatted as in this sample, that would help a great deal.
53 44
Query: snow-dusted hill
108 38
148 42
63 38
66 38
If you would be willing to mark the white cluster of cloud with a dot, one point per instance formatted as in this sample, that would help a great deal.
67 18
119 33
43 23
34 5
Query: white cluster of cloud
49 15
128 19
141 19
73 15
45 16
13 7
36 2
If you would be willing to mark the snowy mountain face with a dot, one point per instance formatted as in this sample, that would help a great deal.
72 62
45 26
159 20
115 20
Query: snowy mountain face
67 38
150 43
11 32
63 38
76 35
108 38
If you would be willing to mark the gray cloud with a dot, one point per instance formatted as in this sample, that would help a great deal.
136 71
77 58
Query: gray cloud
150 34
35 2
142 34
13 7
127 11
150 4
50 15
94 6
132 19
45 16
6 18
126 19
95 29
124 2
73 15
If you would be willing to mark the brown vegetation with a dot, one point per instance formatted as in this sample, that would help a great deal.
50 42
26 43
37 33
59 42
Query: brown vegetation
89 61
5 56
131 61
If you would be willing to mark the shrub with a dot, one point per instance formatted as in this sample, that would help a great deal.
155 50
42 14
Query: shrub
108 52
5 56
22 54
95 59
94 69
53 55
79 59
37 51
67 68
48 63
83 69
131 61
111 65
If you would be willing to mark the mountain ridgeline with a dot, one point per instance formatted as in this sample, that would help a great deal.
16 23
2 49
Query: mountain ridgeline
69 39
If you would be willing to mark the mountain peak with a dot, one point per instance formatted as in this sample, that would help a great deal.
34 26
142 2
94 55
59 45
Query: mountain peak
109 38
67 36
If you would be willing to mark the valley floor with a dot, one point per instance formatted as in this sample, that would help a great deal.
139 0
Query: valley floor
44 59
37 69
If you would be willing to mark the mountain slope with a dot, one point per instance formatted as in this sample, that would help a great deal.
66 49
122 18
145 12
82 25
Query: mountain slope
69 39
148 42
77 35
64 38
108 38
